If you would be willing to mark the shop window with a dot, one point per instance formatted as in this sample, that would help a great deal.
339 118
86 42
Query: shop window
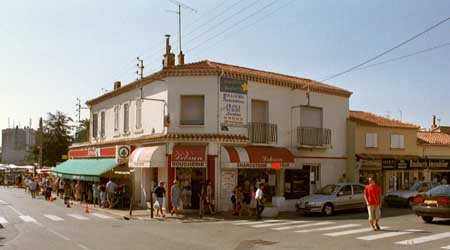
102 124
116 118
192 110
296 183
358 189
397 141
138 114
260 111
310 117
95 125
251 178
126 117
371 140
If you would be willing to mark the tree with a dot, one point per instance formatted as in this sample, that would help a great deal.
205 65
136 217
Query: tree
82 134
55 138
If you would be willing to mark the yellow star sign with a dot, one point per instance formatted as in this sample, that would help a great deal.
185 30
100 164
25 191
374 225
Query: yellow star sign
245 87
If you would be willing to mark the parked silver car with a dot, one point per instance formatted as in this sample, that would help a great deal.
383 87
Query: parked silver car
331 198
405 197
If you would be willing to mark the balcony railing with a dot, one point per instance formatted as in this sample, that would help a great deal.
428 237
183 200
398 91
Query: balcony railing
313 137
264 133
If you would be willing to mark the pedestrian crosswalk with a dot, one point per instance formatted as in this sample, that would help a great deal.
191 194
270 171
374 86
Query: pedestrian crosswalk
342 229
55 218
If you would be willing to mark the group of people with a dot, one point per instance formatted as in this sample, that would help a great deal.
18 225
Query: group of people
39 186
248 203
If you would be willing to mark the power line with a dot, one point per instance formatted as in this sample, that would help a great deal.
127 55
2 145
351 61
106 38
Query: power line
387 51
405 56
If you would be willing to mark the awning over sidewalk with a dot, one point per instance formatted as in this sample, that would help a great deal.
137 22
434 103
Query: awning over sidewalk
148 157
84 169
256 157
189 156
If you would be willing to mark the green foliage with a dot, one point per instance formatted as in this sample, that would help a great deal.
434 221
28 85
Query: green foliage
82 133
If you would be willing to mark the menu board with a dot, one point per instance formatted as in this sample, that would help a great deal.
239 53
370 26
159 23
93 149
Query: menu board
228 180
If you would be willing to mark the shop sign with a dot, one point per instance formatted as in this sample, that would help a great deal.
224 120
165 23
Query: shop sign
122 154
92 152
233 102
418 164
438 163
402 164
388 164
228 180
189 157
371 163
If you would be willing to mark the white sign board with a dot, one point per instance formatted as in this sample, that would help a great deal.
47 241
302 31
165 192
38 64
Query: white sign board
233 102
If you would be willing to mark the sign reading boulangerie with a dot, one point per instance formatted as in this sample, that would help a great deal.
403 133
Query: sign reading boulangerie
189 156
233 102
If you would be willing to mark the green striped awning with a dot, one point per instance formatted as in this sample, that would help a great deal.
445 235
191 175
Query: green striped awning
84 169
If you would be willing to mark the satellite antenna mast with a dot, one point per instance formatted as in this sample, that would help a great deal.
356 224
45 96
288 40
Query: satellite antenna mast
178 12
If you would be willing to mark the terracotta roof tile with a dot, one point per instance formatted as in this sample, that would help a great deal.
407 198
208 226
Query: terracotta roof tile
433 138
206 68
371 119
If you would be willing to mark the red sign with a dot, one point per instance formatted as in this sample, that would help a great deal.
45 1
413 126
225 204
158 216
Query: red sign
92 152
189 156
276 166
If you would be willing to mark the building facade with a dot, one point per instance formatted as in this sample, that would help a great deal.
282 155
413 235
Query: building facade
16 143
384 148
231 125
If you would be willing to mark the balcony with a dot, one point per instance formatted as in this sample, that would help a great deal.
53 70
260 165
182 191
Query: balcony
313 137
264 133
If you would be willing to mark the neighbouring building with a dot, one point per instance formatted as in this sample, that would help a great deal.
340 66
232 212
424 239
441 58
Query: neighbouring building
16 143
232 125
384 148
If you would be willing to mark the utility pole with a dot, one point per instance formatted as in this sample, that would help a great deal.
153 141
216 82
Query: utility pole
79 108
40 136
178 12
140 66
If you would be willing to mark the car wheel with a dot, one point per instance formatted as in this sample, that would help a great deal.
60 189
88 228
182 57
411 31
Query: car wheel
427 219
328 209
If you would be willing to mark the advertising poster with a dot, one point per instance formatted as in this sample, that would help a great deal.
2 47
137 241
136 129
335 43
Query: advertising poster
233 102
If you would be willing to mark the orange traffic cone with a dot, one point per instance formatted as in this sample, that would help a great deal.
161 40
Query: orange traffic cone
86 208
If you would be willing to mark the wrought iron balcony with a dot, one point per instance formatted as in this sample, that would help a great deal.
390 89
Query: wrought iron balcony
313 137
264 133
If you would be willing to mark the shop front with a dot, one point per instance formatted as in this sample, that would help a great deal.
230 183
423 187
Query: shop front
192 168
244 168
439 170
369 168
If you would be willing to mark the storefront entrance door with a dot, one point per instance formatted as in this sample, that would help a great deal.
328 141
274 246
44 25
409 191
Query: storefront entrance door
191 180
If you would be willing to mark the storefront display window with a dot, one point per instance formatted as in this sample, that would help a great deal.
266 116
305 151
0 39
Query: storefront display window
296 183
190 180
440 177
248 178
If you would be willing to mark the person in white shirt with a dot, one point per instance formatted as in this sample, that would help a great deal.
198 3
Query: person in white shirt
259 201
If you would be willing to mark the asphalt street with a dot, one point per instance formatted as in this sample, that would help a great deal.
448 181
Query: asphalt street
38 224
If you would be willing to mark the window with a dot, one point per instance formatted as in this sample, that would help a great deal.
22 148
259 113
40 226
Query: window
95 125
397 141
260 111
116 118
296 183
102 124
310 117
347 190
371 140
138 114
126 117
315 172
358 189
192 110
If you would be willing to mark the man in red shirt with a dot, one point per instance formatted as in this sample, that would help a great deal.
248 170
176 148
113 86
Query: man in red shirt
372 195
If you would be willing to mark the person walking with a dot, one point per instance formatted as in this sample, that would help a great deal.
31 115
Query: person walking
202 201
95 194
372 195
209 198
160 192
102 192
110 190
259 196
175 192
33 187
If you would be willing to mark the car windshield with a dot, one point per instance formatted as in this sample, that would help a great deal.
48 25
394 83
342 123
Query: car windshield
328 189
443 190
415 187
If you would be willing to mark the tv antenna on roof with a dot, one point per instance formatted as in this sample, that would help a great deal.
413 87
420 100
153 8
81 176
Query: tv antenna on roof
178 12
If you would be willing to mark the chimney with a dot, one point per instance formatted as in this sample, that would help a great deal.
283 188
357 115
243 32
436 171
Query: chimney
117 85
169 57
181 58
433 125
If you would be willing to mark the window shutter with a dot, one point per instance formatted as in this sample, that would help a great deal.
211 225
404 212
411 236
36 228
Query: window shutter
401 141
310 117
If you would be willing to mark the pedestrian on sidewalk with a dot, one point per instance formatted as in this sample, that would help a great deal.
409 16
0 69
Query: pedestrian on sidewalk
259 197
110 192
209 198
175 194
95 194
33 187
102 195
372 195
160 192
202 201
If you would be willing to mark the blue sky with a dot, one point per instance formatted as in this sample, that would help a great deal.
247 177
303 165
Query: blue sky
52 52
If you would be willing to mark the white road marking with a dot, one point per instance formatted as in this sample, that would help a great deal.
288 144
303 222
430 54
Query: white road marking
101 216
4 203
354 231
58 234
27 218
3 220
53 217
424 239
280 224
389 234
328 228
446 247
255 222
78 217
305 225
84 247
